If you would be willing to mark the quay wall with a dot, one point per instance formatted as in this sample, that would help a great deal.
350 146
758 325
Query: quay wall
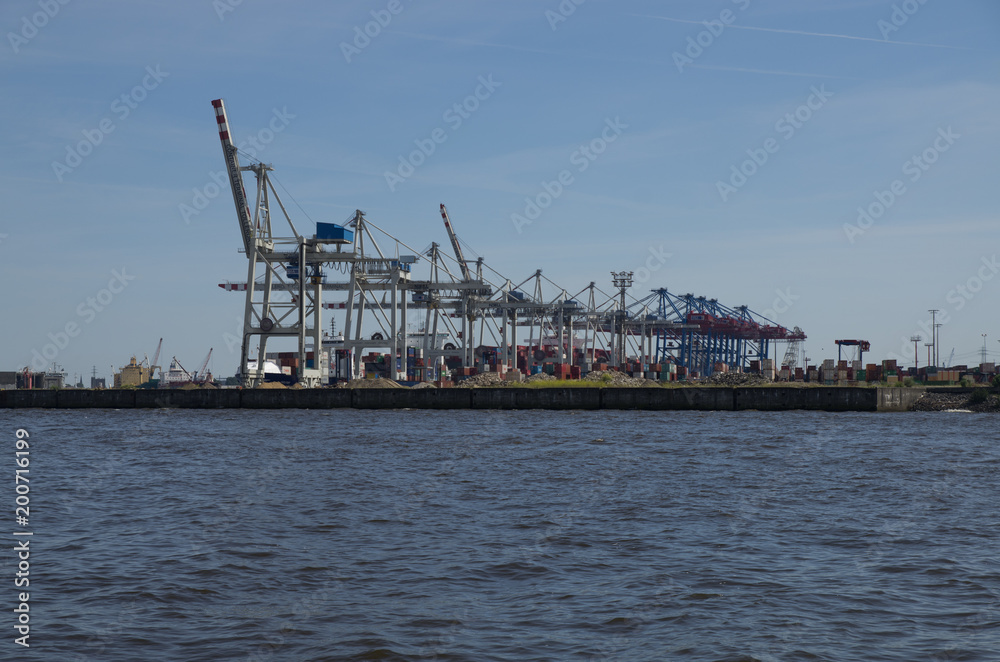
769 398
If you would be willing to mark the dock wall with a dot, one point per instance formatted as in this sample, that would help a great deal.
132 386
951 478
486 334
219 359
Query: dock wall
771 398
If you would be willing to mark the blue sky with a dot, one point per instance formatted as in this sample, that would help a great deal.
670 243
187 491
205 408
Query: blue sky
868 85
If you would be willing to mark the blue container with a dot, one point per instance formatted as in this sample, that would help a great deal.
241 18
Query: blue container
331 232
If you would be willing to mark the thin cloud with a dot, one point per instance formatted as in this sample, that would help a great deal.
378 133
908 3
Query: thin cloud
471 42
770 71
525 49
810 34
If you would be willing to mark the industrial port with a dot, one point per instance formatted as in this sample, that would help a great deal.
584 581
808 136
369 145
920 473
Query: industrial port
432 317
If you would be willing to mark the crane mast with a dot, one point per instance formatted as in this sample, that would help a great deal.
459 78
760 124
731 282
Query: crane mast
466 275
235 178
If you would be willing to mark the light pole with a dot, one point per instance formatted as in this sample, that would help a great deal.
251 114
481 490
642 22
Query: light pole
622 281
984 349
916 361
934 327
937 345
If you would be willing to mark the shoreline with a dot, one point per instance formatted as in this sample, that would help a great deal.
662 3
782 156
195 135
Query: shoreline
696 398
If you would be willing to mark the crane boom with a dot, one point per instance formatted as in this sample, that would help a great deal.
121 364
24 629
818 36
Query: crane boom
200 375
156 357
235 178
466 275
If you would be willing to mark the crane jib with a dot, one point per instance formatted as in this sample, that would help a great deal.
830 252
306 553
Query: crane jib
235 179
239 195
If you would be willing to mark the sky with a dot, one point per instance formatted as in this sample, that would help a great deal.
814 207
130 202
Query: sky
830 164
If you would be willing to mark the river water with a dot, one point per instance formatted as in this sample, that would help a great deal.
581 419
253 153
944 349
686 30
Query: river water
472 535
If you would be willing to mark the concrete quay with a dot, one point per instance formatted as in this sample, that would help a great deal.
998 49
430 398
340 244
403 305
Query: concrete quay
764 398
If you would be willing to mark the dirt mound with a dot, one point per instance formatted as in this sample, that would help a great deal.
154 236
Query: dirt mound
541 377
270 385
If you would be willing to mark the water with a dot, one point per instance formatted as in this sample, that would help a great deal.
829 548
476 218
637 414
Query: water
411 535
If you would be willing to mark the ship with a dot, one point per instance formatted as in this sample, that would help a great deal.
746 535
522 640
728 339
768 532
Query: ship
272 372
175 376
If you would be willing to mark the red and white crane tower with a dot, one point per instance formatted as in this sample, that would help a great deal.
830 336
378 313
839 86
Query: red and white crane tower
271 260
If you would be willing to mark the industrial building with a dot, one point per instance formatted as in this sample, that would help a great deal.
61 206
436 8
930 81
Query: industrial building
134 374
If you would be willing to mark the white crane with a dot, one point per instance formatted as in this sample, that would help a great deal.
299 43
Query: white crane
156 357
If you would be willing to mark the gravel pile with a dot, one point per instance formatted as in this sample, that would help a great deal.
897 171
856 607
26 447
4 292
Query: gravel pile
737 379
381 382
541 377
482 379
618 379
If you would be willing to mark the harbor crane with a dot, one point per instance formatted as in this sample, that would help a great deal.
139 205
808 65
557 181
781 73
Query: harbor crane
862 345
791 358
156 357
200 374
287 275
278 264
